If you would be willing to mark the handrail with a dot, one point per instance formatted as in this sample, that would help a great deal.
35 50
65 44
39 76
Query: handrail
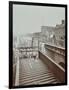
57 70
54 62
55 46
56 51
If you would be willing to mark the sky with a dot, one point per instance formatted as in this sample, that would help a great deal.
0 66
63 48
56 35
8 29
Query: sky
29 19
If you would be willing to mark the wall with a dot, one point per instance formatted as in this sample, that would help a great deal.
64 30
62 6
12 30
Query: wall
56 69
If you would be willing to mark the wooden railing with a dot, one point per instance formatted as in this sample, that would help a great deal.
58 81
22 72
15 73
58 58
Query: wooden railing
58 50
58 71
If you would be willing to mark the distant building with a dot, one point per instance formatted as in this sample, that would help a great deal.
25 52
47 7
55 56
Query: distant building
14 41
60 34
47 34
54 35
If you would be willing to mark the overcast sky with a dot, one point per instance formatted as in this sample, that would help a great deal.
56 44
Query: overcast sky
29 19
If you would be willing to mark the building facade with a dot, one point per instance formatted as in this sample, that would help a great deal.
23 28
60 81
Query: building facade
54 35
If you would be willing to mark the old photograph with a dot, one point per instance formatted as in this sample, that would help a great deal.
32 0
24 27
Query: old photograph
38 45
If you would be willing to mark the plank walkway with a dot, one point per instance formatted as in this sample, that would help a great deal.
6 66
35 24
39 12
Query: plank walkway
35 72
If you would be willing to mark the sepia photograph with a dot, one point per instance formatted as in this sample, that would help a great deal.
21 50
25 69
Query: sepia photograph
37 44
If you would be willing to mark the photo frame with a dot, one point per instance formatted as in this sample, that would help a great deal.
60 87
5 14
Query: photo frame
31 58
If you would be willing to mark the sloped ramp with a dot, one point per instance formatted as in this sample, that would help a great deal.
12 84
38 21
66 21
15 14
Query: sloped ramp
35 72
